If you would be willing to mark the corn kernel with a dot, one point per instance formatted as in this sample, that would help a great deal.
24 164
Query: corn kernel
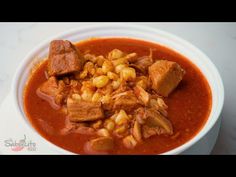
121 129
103 132
100 81
83 74
109 124
120 67
128 74
107 66
96 97
115 84
121 118
106 99
112 75
99 72
113 117
100 59
76 97
89 66
114 54
70 101
90 57
87 95
119 61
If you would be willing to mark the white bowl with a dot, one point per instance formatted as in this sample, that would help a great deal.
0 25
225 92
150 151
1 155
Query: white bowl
202 143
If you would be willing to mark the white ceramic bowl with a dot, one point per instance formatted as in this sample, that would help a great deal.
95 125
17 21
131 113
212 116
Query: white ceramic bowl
202 143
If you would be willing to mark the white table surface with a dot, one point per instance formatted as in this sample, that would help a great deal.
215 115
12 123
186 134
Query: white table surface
217 40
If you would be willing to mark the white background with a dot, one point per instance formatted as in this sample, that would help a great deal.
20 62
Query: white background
217 40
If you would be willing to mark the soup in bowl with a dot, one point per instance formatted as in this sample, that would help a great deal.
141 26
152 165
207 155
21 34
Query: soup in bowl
119 95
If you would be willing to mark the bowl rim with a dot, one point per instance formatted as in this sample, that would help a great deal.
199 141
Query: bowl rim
145 29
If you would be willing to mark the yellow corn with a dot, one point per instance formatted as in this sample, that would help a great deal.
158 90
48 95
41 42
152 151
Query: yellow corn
121 118
96 97
70 101
83 74
76 97
106 98
87 95
109 124
113 117
100 81
107 66
90 57
115 84
114 54
119 68
119 61
103 132
99 72
89 66
112 75
100 59
121 129
128 74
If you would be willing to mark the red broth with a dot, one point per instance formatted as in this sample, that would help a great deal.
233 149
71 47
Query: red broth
188 106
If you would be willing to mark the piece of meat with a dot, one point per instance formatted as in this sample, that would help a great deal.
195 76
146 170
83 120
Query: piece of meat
101 145
75 127
141 94
151 131
126 101
165 76
52 91
63 58
136 131
159 105
142 63
80 111
151 122
157 123
139 115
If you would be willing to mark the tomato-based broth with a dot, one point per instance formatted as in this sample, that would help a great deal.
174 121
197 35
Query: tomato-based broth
189 105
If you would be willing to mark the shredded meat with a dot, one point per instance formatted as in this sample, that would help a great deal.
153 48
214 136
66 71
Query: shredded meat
142 63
